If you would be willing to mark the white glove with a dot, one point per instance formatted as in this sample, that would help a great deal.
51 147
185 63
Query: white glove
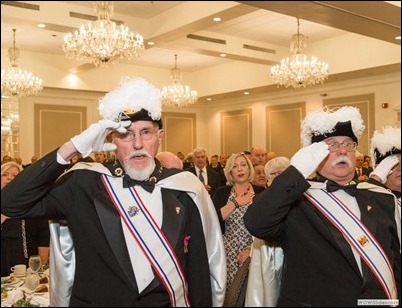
307 159
384 167
93 138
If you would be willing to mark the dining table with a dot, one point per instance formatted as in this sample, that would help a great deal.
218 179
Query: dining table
15 291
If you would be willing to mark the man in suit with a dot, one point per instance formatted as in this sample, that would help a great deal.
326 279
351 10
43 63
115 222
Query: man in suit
209 177
340 241
361 173
143 235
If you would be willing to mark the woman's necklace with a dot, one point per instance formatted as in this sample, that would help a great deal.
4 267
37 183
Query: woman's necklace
245 193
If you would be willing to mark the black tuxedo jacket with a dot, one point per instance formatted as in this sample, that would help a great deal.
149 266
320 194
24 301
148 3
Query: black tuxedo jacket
104 275
319 267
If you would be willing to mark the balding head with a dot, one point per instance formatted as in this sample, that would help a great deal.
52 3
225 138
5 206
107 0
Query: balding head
169 160
257 156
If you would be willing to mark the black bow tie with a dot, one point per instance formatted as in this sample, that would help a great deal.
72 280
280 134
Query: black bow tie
147 185
333 186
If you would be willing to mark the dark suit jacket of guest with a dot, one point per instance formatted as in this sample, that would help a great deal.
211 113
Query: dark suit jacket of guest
320 268
221 172
214 179
104 275
220 199
365 171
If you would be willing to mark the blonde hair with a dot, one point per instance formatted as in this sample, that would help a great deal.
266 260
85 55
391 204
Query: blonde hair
230 164
281 162
10 164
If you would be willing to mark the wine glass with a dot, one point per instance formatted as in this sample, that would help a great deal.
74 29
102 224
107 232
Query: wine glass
32 280
35 263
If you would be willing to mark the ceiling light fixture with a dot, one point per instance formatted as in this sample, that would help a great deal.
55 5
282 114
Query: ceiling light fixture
177 94
298 71
15 81
105 42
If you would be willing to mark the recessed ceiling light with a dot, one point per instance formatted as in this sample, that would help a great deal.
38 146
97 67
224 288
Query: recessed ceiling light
216 19
41 25
150 43
246 93
222 55
209 99
398 37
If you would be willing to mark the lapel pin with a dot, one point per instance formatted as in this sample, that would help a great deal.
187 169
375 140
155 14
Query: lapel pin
177 210
368 208
133 210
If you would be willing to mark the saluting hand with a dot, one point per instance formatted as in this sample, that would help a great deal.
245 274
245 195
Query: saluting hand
93 138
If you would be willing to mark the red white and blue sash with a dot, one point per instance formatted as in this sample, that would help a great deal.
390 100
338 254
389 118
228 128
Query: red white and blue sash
151 240
357 235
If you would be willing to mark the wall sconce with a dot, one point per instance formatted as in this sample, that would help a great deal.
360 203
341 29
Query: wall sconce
384 105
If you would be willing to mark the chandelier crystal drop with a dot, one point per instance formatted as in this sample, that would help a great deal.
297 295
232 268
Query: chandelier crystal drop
298 71
177 94
15 81
104 42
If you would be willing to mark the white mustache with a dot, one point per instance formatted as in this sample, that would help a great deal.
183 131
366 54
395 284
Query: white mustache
138 153
341 159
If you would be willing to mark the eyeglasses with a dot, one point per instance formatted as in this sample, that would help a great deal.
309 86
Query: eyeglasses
275 173
348 145
145 135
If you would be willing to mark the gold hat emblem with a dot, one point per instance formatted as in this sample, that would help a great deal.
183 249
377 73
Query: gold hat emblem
130 111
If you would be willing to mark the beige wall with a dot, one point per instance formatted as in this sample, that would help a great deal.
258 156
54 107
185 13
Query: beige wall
208 124
283 128
235 128
179 132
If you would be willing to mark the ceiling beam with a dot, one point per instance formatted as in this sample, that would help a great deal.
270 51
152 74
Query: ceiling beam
376 19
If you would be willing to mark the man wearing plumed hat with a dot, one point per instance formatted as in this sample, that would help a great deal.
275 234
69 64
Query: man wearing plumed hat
385 150
340 240
138 234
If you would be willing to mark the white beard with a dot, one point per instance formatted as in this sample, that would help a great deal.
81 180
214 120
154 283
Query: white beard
139 174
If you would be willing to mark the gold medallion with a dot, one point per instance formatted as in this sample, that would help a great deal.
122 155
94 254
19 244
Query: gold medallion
363 240
118 171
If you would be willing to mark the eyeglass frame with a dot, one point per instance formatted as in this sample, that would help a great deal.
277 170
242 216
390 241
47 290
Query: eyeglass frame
276 173
347 144
130 135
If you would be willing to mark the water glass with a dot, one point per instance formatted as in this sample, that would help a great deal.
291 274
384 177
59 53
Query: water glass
35 263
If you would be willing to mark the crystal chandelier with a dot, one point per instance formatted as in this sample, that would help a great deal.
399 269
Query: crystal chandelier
105 42
15 81
299 71
177 94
